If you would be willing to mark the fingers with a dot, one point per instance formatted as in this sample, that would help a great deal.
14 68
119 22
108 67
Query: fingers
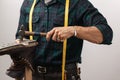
53 34
61 37
59 34
49 34
17 41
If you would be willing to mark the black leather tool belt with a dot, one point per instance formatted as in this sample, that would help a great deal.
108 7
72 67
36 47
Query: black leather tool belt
54 68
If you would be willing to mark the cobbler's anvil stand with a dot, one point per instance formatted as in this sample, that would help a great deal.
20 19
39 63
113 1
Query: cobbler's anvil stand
22 32
24 48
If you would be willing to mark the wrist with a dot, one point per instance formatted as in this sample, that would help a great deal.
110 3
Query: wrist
75 32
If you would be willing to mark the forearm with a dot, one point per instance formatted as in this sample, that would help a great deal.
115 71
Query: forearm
91 34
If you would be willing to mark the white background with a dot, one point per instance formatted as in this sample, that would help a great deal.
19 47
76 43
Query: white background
100 62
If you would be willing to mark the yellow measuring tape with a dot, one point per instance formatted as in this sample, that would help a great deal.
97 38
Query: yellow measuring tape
65 25
65 41
30 18
28 72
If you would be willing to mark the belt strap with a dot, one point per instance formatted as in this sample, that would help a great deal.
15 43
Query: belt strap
53 68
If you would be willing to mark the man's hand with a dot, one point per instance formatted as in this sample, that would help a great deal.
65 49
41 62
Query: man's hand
59 34
90 33
17 41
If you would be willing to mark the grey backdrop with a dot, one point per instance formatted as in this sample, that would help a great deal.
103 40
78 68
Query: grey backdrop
100 62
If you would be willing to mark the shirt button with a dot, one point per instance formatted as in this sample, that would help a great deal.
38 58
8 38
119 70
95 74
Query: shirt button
46 11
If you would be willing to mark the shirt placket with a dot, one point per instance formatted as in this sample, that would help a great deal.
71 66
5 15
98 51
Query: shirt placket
46 19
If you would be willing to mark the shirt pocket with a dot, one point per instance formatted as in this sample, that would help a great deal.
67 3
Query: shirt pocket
35 18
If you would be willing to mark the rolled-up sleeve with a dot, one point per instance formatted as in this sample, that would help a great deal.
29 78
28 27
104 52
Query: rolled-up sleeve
106 32
92 17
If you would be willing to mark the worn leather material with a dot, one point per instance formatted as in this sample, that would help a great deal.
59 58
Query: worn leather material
21 54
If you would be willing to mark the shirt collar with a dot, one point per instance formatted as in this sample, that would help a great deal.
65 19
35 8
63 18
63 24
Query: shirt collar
37 1
61 1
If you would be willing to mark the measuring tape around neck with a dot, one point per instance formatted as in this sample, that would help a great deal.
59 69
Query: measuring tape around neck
30 18
65 41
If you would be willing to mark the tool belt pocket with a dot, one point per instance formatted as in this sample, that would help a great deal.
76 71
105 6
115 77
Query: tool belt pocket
72 72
